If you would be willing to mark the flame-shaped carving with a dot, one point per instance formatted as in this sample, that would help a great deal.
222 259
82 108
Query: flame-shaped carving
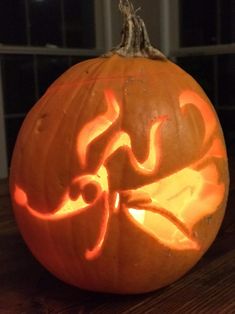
170 198
98 126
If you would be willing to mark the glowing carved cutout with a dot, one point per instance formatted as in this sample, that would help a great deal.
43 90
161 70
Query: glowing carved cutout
167 209
69 206
181 200
189 97
97 127
122 140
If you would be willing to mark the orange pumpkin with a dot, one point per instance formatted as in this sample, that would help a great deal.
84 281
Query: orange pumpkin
119 176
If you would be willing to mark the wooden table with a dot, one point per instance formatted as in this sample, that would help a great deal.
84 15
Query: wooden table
26 287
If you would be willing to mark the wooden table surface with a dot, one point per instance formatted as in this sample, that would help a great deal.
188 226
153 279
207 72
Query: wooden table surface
26 287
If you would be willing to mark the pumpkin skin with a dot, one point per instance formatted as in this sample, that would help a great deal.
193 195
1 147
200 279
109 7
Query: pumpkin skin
114 250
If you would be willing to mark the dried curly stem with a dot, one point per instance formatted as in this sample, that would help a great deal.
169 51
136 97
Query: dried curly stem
135 40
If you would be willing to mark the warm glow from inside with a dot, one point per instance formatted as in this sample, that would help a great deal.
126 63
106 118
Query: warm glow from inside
117 202
123 140
168 209
175 191
69 206
138 214
98 126
176 203
190 97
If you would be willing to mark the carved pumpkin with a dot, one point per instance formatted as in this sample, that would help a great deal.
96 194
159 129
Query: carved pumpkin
119 176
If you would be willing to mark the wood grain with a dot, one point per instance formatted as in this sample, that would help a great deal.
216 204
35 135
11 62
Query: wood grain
26 287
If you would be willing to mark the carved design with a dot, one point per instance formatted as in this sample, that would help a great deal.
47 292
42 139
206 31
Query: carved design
168 208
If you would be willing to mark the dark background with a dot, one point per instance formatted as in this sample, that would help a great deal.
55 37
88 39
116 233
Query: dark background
25 286
70 24
206 23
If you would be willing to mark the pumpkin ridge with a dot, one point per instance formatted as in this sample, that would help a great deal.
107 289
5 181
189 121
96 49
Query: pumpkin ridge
31 126
47 164
108 78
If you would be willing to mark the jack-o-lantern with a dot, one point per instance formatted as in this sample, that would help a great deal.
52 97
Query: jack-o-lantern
119 176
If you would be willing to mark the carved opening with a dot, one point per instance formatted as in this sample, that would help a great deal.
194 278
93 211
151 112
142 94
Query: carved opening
168 208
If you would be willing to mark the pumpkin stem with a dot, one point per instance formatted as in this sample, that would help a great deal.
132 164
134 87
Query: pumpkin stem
135 40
